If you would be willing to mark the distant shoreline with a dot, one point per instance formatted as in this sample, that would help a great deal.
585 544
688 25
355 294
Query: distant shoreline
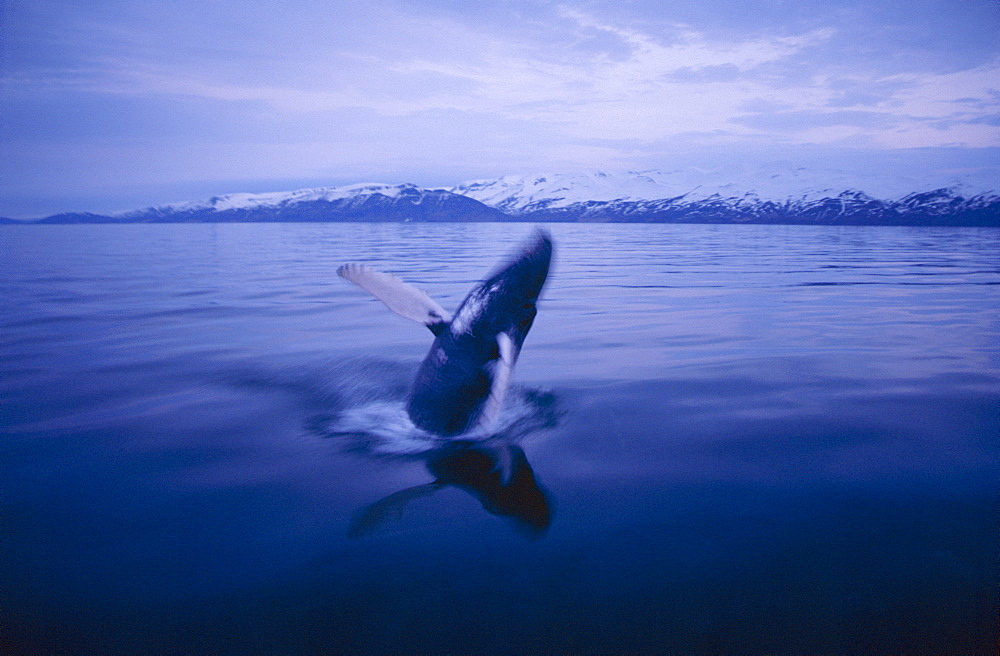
991 222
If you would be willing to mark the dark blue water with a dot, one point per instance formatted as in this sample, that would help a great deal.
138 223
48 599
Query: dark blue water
750 439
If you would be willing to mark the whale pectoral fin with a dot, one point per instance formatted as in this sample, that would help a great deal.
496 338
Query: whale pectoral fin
400 297
373 516
503 366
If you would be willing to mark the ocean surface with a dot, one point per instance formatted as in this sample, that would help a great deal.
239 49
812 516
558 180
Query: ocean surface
731 439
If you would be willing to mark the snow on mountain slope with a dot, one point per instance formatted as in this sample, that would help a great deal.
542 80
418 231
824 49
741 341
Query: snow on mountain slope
368 202
775 183
770 194
243 201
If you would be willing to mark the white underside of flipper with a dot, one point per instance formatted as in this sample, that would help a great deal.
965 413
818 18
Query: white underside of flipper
400 297
503 366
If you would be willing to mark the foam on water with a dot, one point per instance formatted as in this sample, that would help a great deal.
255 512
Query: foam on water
382 427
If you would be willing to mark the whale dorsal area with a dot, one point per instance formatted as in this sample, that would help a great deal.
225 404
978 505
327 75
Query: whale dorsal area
400 297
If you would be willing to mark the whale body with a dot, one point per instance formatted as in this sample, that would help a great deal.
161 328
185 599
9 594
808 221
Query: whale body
460 386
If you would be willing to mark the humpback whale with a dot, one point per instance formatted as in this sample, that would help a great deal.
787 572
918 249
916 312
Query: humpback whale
460 385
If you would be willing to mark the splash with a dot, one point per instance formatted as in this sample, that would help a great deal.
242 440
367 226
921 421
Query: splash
361 402
382 427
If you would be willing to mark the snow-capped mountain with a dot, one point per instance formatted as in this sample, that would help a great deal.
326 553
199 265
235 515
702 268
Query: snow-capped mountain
350 194
772 194
358 202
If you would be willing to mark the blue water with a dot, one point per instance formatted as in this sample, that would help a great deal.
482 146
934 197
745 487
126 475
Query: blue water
750 438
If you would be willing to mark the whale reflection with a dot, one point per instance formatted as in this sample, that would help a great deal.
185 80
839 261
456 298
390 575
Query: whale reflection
498 476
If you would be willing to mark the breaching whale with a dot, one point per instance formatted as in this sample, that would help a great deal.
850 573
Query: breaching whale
460 386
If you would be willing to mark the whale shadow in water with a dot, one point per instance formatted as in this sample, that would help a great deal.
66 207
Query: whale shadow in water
498 476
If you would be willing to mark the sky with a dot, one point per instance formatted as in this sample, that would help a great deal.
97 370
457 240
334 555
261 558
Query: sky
111 105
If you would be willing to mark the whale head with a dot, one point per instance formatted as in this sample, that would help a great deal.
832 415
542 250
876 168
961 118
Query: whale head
505 301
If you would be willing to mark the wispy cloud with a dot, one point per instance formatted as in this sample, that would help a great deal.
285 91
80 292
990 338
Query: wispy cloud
650 85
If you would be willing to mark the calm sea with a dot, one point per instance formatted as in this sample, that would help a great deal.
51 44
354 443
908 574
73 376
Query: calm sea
750 439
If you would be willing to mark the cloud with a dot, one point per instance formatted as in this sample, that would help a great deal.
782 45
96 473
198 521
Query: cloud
645 88
652 81
801 120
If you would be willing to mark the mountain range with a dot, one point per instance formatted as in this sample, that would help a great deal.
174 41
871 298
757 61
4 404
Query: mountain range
773 194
